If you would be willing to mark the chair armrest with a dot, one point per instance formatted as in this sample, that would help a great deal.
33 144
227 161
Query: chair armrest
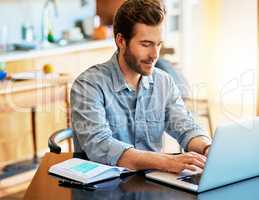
57 137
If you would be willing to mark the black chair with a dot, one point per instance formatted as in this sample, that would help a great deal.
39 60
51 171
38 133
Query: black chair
59 136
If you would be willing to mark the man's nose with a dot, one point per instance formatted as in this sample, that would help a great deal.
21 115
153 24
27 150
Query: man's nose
154 53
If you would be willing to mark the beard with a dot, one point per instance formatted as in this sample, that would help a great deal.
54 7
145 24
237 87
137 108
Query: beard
132 62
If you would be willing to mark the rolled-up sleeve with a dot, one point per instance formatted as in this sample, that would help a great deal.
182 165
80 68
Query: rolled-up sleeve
90 125
179 122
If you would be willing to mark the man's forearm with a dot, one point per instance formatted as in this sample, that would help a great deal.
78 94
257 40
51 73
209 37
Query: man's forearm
139 160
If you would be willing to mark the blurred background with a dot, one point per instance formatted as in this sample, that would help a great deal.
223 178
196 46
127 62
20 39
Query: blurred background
44 44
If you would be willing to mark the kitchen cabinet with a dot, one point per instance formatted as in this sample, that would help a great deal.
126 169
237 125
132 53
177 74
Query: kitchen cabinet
106 9
30 111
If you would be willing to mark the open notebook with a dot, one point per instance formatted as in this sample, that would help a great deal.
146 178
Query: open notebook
86 172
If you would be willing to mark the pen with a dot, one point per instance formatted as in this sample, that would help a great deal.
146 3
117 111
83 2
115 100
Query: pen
74 184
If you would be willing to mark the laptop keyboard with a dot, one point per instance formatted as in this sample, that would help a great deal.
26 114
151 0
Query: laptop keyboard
194 179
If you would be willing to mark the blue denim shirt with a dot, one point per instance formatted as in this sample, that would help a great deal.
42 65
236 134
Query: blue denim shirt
109 117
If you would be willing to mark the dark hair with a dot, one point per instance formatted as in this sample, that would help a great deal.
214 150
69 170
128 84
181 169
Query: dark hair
148 12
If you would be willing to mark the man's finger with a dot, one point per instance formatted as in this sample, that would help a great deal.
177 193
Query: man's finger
190 167
197 155
194 161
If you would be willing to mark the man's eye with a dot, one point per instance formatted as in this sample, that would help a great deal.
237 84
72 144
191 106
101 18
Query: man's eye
145 45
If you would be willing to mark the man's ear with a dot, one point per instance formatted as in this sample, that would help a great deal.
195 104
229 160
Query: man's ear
120 41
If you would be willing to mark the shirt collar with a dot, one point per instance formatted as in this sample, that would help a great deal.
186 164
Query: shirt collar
146 81
119 82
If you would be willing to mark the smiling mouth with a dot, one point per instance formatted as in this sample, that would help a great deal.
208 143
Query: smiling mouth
147 66
148 63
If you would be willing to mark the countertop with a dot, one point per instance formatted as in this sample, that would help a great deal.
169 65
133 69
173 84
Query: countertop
9 86
85 45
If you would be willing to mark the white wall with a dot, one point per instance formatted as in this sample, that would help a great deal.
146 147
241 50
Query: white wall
193 51
233 71
236 46
220 55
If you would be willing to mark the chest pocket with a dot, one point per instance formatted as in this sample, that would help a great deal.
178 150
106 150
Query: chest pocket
155 124
117 122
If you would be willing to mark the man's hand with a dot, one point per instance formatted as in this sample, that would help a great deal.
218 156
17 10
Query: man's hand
138 160
200 145
191 161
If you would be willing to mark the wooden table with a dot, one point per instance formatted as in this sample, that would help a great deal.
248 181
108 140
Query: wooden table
45 186
135 187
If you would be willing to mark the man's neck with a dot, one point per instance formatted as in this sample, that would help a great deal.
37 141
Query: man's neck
132 78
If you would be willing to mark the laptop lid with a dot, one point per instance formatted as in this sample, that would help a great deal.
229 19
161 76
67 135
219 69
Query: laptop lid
234 155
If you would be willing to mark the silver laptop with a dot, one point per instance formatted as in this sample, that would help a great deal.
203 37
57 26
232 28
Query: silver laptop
233 156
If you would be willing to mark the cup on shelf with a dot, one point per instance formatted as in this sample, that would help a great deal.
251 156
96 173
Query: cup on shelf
27 31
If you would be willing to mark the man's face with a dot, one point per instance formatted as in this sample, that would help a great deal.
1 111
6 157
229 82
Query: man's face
142 51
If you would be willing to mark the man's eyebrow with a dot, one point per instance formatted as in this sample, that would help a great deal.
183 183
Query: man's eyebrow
150 42
146 41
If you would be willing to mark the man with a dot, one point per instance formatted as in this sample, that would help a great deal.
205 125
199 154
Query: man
121 108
